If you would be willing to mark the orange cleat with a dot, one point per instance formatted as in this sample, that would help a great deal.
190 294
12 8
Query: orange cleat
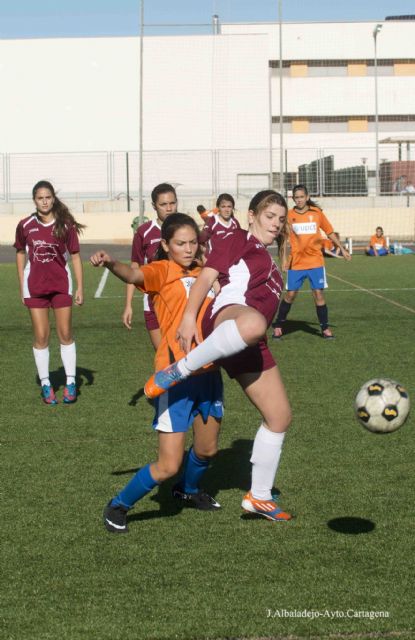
162 380
267 508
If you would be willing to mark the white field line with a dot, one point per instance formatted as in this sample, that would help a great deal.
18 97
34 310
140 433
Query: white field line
360 290
372 293
101 285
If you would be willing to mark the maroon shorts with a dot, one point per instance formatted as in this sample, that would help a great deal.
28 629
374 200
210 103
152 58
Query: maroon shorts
150 318
251 360
51 300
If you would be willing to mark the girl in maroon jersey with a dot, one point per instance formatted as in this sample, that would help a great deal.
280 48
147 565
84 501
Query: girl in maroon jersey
43 242
221 221
235 326
146 241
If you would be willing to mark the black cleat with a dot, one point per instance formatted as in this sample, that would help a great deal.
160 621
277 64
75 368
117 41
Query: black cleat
115 518
327 334
200 500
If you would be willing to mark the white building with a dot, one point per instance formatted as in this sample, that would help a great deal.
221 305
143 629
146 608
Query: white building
70 107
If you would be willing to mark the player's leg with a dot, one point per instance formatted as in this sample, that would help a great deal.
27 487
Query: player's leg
155 337
41 332
318 283
205 410
295 280
199 456
63 319
236 327
170 456
266 391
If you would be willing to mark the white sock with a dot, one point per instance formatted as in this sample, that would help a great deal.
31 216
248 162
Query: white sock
68 356
265 457
42 364
224 341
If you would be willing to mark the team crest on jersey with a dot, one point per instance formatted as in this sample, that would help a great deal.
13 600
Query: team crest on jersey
44 251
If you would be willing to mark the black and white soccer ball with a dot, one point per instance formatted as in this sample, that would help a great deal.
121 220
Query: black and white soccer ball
382 405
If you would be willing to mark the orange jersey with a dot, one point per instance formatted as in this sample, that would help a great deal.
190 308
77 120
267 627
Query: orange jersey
305 238
169 285
378 243
205 215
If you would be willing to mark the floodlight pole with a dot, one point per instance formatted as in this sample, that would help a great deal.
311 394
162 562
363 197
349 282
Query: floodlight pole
140 141
375 35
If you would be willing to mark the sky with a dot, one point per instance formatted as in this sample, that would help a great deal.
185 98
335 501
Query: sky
82 18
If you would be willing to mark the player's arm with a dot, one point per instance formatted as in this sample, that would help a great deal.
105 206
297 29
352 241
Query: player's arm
127 315
123 271
79 276
345 254
187 330
20 263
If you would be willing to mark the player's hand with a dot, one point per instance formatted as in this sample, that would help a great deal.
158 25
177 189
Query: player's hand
127 317
346 255
100 259
79 297
187 333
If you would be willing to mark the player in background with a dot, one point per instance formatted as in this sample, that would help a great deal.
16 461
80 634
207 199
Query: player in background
329 249
234 328
145 244
199 401
377 245
306 260
43 242
220 223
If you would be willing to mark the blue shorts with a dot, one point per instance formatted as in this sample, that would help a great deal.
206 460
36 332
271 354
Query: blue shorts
381 252
296 277
177 408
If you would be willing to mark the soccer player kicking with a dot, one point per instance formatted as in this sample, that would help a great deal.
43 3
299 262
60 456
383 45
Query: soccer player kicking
198 402
43 242
234 328
146 241
306 260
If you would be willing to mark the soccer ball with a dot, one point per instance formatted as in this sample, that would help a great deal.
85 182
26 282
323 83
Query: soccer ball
382 405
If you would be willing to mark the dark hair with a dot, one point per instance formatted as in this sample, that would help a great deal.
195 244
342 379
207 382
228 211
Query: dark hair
261 201
164 187
309 202
63 217
381 228
171 224
227 197
200 208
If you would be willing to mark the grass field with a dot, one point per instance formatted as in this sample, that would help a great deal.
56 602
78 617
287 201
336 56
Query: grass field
193 575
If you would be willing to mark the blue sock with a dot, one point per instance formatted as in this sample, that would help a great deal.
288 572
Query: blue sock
141 484
194 469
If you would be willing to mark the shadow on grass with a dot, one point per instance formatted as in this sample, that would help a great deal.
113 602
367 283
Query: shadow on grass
136 397
292 326
350 525
58 378
230 469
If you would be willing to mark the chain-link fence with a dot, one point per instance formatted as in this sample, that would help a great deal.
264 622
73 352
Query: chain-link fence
201 174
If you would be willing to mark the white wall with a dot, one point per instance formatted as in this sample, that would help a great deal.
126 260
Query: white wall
82 93
334 40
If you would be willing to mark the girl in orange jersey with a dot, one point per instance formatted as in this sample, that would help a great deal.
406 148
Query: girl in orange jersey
306 260
199 402
377 245
234 331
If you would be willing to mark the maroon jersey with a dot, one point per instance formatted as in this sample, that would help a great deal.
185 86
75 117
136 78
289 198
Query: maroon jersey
146 241
215 227
46 270
247 274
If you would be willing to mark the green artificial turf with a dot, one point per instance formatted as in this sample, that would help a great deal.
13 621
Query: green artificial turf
184 574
